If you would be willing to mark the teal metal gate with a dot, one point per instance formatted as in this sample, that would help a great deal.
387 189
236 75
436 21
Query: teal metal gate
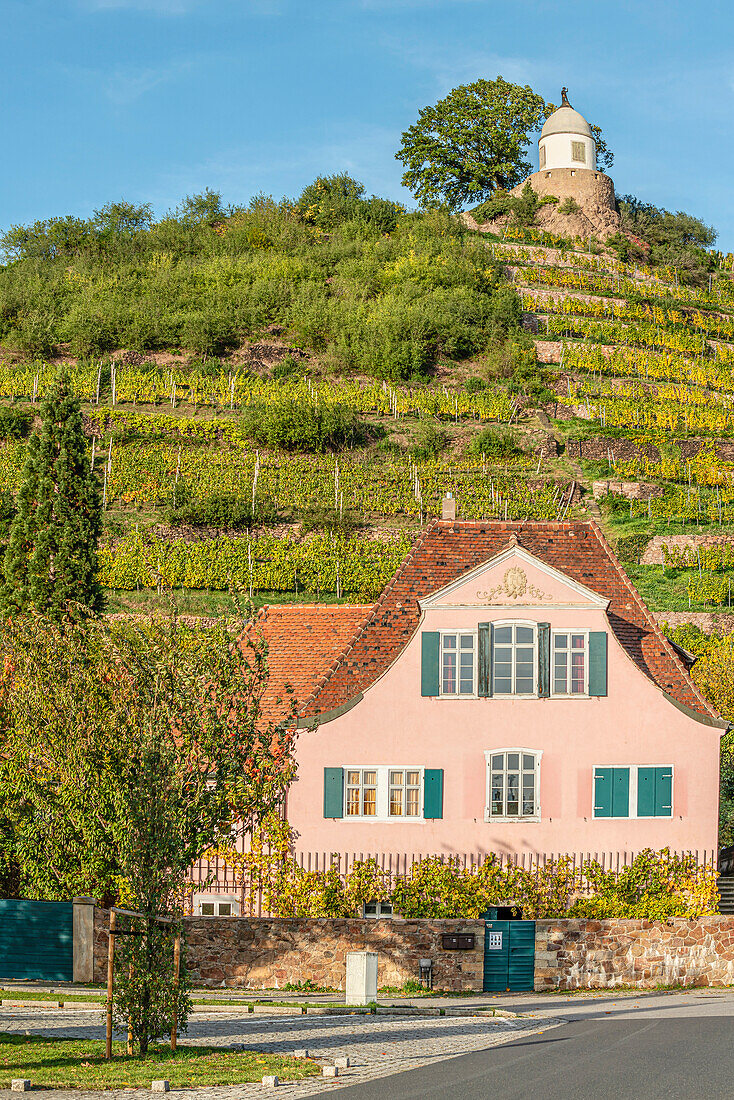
509 956
36 940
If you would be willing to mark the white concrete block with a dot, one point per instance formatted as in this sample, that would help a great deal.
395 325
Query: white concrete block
160 1086
361 983
19 1084
300 1053
342 1062
271 1081
330 1071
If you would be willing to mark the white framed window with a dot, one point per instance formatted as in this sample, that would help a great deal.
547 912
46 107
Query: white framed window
361 792
373 910
578 152
513 785
383 793
216 906
570 663
514 659
405 792
458 662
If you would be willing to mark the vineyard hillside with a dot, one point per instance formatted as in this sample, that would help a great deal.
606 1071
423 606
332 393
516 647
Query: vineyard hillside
276 398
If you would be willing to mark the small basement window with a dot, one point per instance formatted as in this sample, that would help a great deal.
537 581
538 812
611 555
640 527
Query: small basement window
375 909
216 907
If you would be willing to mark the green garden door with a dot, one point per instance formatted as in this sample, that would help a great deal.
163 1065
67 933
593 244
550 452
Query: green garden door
509 956
36 940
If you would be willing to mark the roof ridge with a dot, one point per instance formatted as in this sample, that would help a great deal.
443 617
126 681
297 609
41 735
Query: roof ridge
323 680
667 647
314 606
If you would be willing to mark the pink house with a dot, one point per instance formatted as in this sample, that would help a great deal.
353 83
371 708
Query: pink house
508 692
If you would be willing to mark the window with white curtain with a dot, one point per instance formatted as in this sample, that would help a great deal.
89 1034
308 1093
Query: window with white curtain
457 663
512 784
514 659
570 663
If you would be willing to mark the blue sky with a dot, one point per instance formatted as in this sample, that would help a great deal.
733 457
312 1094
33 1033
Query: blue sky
149 100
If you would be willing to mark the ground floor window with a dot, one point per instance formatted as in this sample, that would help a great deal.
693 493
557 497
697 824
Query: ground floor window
383 793
513 780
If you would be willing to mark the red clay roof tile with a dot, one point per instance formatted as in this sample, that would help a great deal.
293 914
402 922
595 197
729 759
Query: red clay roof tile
450 548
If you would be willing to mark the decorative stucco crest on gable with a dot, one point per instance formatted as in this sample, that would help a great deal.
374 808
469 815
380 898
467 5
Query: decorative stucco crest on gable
516 586
514 578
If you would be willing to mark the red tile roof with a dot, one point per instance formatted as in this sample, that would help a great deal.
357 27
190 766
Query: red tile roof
303 642
446 551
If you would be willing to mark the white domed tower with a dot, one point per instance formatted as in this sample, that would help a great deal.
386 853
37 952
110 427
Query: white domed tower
566 140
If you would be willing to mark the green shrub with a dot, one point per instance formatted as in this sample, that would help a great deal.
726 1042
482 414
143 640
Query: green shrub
318 518
285 368
631 547
15 423
295 426
569 206
474 384
493 444
226 511
430 440
7 511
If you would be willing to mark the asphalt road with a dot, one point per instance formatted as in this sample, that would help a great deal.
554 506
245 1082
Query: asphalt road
641 1058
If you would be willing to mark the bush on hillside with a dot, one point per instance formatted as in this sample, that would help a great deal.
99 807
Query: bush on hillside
296 426
429 440
494 444
226 511
375 289
15 423
675 240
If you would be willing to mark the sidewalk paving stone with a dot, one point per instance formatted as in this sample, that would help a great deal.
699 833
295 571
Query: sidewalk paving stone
376 1046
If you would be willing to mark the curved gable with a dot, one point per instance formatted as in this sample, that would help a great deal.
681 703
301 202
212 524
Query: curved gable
451 551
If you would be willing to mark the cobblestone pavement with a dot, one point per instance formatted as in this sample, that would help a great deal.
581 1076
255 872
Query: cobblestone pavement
376 1046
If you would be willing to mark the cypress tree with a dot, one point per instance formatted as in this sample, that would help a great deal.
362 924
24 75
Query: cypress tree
50 562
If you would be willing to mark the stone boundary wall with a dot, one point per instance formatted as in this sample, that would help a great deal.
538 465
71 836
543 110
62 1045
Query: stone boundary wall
598 954
263 952
266 953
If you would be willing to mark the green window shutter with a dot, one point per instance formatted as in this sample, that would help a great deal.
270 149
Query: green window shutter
430 647
598 662
484 660
663 792
620 792
544 659
603 792
433 792
333 792
646 792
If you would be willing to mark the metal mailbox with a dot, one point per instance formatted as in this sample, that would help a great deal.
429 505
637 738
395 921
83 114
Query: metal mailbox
457 941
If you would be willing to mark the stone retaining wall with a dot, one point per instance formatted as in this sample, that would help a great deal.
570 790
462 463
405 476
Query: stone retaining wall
267 953
597 954
263 953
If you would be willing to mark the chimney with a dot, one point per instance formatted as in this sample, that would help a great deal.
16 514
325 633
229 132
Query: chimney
448 507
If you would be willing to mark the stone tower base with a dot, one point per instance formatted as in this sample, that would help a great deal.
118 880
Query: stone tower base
592 191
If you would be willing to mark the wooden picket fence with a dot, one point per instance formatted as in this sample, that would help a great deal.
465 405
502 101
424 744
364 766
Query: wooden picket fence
216 877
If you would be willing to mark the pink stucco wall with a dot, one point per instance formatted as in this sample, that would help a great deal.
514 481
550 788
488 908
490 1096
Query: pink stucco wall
635 724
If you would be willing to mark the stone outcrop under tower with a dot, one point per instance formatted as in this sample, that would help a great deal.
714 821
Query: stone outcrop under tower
592 191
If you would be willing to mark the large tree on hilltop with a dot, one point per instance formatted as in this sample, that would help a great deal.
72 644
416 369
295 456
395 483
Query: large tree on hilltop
51 559
471 143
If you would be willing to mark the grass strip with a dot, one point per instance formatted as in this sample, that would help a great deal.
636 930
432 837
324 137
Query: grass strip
66 1063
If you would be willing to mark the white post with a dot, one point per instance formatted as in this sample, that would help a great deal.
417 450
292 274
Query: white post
361 983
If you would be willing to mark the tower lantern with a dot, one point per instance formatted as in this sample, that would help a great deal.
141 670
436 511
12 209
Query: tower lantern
566 140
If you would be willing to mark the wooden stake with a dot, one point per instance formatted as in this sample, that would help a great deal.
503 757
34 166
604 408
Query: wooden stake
129 1020
110 980
176 972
